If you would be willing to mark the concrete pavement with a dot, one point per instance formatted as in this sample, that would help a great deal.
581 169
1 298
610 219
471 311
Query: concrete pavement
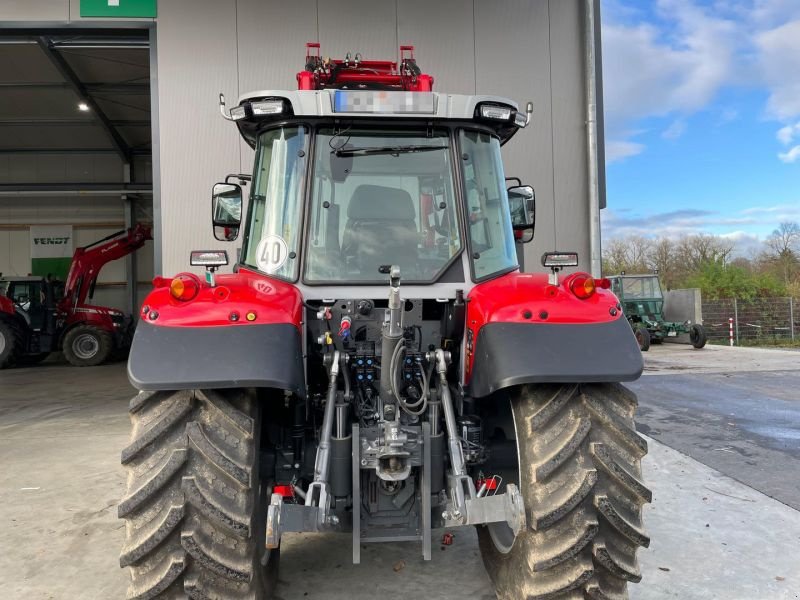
61 430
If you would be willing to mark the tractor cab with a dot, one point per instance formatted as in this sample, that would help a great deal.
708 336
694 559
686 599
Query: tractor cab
640 295
354 173
33 299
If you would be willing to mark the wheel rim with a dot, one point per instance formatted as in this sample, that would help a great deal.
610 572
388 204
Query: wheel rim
501 534
85 346
2 342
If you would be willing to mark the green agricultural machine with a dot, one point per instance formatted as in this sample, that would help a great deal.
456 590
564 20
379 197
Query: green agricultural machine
643 305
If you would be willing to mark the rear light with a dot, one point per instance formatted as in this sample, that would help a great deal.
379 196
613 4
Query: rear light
583 286
184 287
603 283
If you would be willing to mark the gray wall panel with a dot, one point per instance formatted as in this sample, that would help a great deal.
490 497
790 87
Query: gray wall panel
35 10
272 38
363 26
447 53
569 124
513 60
197 53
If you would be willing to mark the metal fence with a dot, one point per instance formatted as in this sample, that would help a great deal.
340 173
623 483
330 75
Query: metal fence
751 322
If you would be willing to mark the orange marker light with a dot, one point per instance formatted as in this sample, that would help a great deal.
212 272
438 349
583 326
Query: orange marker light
184 287
583 286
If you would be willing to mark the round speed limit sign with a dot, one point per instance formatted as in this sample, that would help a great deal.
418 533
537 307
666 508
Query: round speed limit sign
271 253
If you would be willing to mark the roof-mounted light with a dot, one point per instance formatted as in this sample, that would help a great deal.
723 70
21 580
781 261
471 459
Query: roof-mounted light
520 119
559 260
238 113
498 113
266 108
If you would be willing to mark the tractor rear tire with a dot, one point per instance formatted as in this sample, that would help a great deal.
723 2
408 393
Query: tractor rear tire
87 346
580 476
697 336
643 338
12 344
195 507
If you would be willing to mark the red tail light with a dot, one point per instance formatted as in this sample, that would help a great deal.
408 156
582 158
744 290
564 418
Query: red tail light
603 283
583 286
184 287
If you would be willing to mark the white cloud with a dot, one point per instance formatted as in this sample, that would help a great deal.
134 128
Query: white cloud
742 225
675 130
786 134
618 150
674 68
779 57
675 65
791 156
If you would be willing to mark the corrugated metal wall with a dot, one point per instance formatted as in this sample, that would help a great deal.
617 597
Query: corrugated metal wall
522 49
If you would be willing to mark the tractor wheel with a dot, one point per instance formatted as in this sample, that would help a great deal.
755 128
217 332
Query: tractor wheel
87 346
697 336
11 344
643 338
580 475
195 509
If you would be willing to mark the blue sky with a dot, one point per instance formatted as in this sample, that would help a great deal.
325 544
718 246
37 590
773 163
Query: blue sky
702 109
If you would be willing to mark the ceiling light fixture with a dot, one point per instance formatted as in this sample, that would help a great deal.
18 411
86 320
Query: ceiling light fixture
83 107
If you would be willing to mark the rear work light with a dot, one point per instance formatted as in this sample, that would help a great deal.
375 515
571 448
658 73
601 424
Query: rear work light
184 287
559 260
583 286
238 113
500 113
267 107
208 258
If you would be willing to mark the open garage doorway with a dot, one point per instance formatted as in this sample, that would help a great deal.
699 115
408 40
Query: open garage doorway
76 153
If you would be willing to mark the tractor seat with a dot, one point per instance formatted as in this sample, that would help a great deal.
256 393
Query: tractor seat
381 229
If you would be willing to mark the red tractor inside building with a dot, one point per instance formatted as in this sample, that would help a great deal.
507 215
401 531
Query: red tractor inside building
377 364
39 316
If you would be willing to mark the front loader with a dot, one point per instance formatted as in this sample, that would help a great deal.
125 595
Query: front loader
377 364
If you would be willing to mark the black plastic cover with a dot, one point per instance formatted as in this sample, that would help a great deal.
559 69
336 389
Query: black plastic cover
169 358
508 354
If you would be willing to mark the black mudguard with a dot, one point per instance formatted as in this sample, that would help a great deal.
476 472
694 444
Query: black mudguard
508 354
170 358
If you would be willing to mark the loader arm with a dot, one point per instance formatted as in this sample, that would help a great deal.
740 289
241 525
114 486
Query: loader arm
87 261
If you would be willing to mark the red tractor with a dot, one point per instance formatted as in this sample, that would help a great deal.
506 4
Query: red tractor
39 316
377 364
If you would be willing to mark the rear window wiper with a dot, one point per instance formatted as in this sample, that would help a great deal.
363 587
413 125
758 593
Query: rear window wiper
393 150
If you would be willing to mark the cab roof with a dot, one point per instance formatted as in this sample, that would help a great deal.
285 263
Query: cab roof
384 105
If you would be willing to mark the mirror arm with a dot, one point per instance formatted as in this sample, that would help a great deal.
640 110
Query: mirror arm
241 177
222 109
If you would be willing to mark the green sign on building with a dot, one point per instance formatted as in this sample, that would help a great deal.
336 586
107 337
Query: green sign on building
118 8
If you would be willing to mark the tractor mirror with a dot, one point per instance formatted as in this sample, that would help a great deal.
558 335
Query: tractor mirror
226 211
522 205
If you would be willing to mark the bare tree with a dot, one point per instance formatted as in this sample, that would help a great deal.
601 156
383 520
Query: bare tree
695 251
785 239
628 254
784 247
662 258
